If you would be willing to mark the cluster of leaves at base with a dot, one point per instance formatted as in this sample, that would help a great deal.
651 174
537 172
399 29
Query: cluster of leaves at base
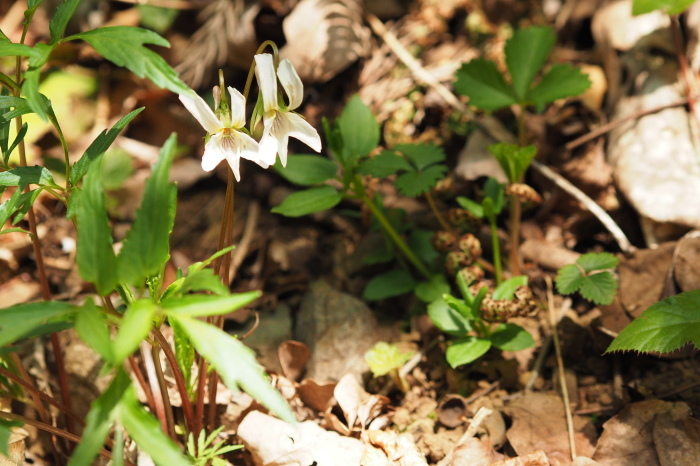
526 53
461 318
384 358
491 205
591 276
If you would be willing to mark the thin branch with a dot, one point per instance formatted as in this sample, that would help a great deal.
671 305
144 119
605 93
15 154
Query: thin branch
136 370
155 388
179 377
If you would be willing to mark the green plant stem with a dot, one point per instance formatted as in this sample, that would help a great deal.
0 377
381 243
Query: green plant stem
443 223
179 378
496 246
9 83
360 191
251 72
515 212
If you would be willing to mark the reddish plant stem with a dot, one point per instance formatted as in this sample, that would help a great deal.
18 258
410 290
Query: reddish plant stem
686 72
199 407
179 377
142 382
170 421
155 388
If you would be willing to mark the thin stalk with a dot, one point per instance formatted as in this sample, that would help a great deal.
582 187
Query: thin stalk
156 389
199 401
162 385
142 382
443 223
251 72
515 212
9 83
496 246
389 229
179 378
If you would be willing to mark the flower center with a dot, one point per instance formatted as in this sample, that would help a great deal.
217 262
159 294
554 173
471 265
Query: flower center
228 139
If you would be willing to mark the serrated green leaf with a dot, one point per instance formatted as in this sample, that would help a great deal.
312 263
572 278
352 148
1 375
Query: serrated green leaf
562 80
20 105
24 176
307 170
514 159
145 430
506 290
485 86
203 280
99 420
672 7
385 357
134 327
207 305
58 23
470 206
466 350
447 319
184 351
309 201
236 364
91 326
433 289
594 261
359 130
599 288
387 285
146 247
421 155
18 138
95 257
18 50
22 319
664 327
526 52
125 46
511 337
99 146
569 279
414 184
385 164
13 204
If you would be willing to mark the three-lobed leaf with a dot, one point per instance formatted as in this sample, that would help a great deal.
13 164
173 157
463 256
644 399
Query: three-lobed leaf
385 357
513 159
415 183
384 164
485 86
526 53
664 327
594 261
591 277
309 201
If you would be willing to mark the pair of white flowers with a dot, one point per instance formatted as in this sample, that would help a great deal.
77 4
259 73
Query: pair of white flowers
228 142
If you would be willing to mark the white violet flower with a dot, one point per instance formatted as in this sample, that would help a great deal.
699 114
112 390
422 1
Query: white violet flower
226 141
280 122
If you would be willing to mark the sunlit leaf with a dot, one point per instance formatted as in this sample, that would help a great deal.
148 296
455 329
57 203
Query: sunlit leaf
466 350
447 319
358 128
526 52
562 80
134 327
511 337
309 201
307 170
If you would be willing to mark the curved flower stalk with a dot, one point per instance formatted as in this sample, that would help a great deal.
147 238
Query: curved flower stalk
226 138
280 122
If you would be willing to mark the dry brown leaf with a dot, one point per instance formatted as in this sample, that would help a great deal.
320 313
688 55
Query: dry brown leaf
273 442
358 406
293 356
313 395
390 448
473 452
453 411
537 458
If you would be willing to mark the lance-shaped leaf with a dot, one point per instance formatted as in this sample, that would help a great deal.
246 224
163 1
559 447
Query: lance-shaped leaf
207 305
64 13
133 328
146 247
95 257
24 176
23 319
309 201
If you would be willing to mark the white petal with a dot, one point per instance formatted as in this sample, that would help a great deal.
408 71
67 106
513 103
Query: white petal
282 148
291 83
237 108
201 111
234 161
265 72
249 149
213 154
303 131
267 150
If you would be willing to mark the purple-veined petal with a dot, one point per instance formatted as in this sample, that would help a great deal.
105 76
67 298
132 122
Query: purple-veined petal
237 108
201 111
291 83
214 153
267 81
303 131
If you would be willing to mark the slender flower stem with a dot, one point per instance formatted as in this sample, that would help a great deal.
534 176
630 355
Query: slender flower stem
156 389
443 223
163 390
251 72
142 382
389 229
515 212
179 378
496 246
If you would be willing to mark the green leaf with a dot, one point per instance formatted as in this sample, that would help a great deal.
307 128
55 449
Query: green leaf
526 53
385 357
422 155
514 159
307 170
18 138
420 242
202 280
117 167
309 201
494 191
664 327
414 184
20 105
5 433
22 319
433 289
18 50
15 203
184 351
560 81
672 7
459 305
24 176
207 305
569 279
91 326
447 319
392 283
236 364
359 130
599 288
470 206
135 326
506 290
95 258
384 164
146 246
124 46
595 261
466 350
99 146
58 23
30 89
99 420
145 430
511 337
485 86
